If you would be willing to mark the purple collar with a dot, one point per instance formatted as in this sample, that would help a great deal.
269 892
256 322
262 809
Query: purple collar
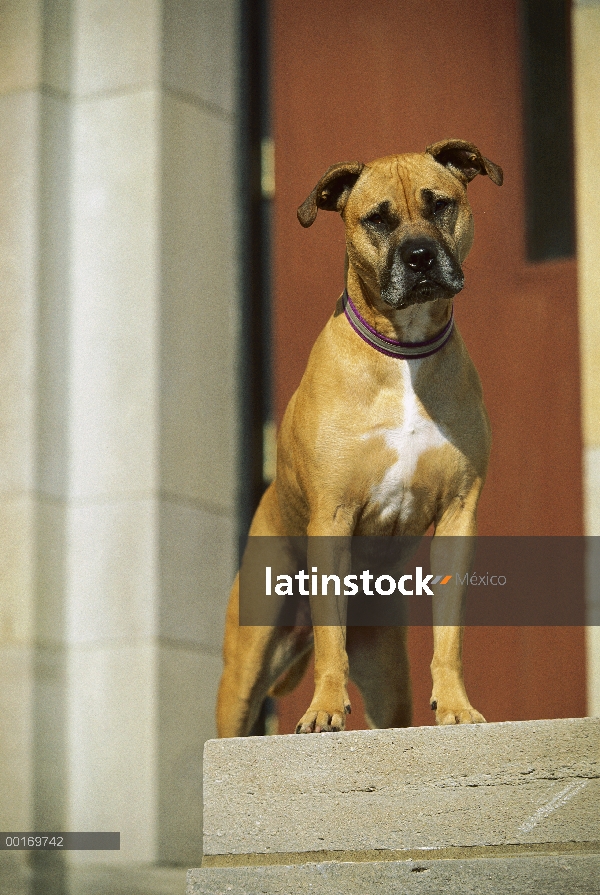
391 347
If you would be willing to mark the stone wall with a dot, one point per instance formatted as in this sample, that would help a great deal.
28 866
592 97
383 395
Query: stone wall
118 373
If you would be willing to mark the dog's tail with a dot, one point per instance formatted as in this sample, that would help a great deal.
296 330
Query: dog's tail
290 679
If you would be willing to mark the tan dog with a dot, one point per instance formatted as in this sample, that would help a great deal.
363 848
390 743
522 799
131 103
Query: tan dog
381 438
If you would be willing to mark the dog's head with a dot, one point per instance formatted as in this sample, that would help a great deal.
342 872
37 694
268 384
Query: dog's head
408 222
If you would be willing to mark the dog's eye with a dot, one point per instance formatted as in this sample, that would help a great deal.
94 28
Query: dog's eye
441 205
376 219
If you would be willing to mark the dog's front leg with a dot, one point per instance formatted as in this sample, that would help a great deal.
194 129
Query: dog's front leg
329 555
452 552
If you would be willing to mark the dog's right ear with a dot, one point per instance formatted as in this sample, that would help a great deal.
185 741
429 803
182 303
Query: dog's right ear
464 160
332 191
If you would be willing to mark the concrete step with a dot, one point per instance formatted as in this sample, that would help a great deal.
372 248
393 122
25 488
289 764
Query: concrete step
362 807
548 875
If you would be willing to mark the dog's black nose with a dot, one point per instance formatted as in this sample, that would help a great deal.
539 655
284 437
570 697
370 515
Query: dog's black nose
418 257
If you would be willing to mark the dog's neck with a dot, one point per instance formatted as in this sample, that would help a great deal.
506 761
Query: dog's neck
392 347
416 323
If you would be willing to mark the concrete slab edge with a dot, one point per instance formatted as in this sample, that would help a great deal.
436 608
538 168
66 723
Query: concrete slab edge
429 854
550 875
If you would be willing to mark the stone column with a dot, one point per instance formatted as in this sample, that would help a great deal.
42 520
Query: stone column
200 338
20 34
119 461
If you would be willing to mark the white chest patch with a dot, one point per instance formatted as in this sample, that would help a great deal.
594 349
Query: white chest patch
414 436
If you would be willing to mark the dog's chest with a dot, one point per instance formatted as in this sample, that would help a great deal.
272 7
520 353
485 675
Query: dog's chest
411 443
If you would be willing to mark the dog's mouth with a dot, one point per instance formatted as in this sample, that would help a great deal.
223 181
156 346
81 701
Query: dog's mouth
423 290
427 290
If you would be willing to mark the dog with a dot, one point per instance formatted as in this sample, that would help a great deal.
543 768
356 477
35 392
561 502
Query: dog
387 434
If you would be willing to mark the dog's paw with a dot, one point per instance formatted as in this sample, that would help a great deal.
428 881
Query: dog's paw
318 721
459 714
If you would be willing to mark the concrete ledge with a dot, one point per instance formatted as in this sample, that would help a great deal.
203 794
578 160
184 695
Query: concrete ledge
491 808
550 875
364 793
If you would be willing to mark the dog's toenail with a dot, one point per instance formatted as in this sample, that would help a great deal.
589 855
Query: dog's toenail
434 705
348 709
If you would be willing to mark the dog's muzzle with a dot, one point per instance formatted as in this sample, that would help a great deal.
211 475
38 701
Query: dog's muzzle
420 269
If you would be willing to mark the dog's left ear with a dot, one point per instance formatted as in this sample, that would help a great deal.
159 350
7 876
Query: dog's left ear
331 192
464 160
